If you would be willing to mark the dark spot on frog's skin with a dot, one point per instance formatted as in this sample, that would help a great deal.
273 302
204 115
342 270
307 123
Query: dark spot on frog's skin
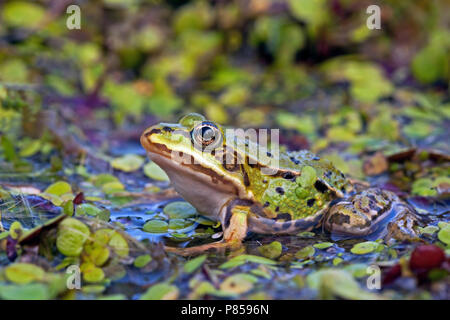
264 181
269 154
286 225
339 219
342 175
167 129
252 165
316 158
320 186
328 174
343 190
310 202
288 176
284 216
371 197
277 209
280 190
296 161
245 176
303 224
266 204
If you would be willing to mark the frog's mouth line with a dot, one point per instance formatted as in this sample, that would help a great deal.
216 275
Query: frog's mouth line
162 156
154 148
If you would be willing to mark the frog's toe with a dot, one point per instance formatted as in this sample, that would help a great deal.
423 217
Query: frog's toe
345 221
402 227
372 214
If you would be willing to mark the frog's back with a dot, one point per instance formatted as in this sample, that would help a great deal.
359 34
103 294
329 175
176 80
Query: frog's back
301 188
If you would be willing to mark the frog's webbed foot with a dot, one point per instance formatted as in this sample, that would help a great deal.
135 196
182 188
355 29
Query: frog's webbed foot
234 223
401 228
372 214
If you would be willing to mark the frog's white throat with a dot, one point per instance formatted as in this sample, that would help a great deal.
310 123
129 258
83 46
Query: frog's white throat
207 195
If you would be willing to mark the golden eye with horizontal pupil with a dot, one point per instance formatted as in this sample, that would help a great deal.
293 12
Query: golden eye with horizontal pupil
206 135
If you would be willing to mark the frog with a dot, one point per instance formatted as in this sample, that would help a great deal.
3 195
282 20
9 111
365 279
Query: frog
243 184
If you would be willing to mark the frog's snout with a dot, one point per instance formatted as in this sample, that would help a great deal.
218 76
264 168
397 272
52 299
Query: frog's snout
145 137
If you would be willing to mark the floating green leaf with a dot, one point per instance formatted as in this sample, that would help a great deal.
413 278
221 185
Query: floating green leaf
142 261
92 273
119 244
161 291
156 226
72 234
241 259
23 273
272 250
305 252
323 245
365 247
128 163
238 283
152 170
180 210
444 234
59 188
32 291
23 14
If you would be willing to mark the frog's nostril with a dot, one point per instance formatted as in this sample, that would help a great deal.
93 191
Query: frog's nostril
167 129
144 140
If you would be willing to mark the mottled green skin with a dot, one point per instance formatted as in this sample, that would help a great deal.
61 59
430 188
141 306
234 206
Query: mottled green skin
294 192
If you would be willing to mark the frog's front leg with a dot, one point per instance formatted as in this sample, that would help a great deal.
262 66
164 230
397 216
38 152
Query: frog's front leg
233 218
372 214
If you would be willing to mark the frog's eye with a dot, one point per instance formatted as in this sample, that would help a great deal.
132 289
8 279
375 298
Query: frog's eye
206 135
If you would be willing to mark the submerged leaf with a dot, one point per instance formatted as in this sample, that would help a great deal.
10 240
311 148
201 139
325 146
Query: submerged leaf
194 264
72 234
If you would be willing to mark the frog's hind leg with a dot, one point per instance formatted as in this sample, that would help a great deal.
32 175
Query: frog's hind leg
234 224
372 214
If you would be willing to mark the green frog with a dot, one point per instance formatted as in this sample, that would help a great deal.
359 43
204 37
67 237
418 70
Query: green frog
248 187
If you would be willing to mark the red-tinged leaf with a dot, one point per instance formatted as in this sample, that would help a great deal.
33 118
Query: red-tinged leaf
391 274
79 198
11 248
426 257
